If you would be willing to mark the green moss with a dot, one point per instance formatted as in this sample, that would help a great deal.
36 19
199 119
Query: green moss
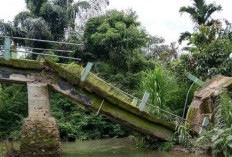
2 149
116 113
205 107
230 85
39 139
72 74
66 73
117 105
190 116
22 64
74 68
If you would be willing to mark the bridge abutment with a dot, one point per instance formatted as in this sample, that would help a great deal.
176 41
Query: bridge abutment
40 135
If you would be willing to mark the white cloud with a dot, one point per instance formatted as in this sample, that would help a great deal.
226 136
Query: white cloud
9 8
162 17
159 17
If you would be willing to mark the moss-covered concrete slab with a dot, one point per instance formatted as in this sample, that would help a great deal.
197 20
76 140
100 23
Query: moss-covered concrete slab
202 104
91 93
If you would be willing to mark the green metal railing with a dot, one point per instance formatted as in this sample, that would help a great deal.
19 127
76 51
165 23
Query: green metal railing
7 50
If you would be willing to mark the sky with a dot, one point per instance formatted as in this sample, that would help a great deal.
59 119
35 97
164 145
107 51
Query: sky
158 17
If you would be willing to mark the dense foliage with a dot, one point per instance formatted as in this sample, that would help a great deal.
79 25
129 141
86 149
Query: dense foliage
165 91
210 52
73 121
115 36
13 108
201 14
76 123
125 55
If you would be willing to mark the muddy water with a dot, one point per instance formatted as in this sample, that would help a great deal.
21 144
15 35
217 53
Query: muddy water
125 147
114 148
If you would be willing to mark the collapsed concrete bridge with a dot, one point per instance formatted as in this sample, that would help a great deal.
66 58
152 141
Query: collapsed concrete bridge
40 133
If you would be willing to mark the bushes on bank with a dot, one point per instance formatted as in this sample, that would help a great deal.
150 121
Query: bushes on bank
74 122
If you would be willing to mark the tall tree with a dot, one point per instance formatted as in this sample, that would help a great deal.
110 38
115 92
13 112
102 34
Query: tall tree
115 36
94 8
200 13
157 49
52 18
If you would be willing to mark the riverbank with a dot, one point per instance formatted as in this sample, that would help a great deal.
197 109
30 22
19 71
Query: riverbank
113 147
7 145
2 149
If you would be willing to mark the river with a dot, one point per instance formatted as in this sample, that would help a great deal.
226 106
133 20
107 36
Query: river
114 148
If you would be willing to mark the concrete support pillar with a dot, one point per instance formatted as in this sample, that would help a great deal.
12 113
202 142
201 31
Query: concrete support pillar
40 135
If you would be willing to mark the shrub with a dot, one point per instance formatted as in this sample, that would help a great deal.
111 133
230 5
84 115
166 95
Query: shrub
165 91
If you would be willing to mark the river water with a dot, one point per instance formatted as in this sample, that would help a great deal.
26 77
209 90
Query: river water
114 148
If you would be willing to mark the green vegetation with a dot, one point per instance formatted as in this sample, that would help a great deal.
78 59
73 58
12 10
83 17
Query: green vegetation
13 108
183 136
128 57
115 36
201 14
74 122
165 90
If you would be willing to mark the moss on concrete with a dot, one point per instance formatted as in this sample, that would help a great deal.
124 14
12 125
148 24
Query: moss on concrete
117 106
230 85
93 84
22 64
190 116
65 73
40 136
123 116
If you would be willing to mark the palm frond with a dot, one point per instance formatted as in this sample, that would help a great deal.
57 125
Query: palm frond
191 11
200 12
211 9
184 36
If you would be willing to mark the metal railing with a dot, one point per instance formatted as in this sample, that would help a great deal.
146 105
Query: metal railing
40 40
164 114
6 48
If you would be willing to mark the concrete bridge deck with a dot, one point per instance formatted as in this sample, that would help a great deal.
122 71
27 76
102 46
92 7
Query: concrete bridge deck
90 93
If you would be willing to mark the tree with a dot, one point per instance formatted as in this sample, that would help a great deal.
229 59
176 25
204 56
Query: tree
200 13
93 8
58 14
115 36
210 54
52 18
156 49
213 59
47 20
